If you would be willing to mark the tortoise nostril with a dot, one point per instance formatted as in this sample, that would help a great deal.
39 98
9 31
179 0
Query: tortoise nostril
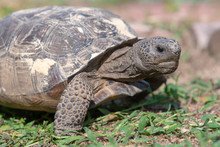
160 49
177 50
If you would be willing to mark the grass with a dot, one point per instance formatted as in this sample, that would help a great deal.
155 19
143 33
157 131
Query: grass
149 122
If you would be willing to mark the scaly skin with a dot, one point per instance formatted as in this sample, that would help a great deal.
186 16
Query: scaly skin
147 59
73 105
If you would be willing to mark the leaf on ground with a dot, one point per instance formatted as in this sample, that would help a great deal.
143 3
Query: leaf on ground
104 111
172 128
90 135
30 124
134 114
5 127
207 105
155 130
142 123
110 117
128 131
70 139
213 124
111 139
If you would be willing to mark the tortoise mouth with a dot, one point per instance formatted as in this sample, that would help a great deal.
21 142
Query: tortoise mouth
167 67
167 64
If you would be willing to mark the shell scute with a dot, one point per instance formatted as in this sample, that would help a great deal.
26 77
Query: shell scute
43 47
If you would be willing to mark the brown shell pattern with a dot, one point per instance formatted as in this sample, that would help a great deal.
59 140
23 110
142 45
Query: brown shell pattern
42 47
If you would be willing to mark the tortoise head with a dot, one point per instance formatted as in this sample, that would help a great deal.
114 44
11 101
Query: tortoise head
157 55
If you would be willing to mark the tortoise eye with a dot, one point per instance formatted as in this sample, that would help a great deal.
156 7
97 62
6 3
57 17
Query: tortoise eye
160 49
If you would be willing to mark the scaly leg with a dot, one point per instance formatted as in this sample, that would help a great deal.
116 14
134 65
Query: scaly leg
73 105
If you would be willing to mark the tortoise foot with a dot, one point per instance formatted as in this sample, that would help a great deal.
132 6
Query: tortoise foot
73 105
62 133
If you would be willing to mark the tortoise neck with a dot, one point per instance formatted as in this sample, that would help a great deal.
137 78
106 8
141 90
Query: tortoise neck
120 66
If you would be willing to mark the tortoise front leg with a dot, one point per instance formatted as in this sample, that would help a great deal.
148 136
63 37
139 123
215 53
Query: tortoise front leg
73 105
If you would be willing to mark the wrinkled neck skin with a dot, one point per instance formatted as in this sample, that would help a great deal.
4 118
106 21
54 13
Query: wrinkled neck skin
121 66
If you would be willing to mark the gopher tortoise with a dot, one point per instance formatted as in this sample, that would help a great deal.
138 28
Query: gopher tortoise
69 59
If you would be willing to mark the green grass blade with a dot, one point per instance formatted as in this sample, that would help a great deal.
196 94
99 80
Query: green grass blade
207 105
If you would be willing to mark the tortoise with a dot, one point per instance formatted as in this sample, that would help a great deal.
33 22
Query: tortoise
69 59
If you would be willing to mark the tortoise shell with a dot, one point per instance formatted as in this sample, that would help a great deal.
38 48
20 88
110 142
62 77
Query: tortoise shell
42 48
